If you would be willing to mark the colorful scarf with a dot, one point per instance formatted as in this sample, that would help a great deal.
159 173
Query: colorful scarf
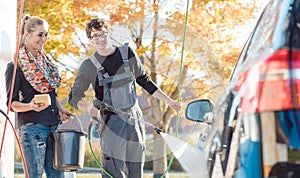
40 72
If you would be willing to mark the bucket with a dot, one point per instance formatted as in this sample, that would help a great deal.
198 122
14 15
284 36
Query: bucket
69 148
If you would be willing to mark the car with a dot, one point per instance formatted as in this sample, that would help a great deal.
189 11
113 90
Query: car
255 124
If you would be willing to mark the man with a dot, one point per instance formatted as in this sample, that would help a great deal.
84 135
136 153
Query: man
113 74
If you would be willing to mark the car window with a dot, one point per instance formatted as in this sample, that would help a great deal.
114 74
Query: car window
297 13
297 24
262 35
240 61
262 42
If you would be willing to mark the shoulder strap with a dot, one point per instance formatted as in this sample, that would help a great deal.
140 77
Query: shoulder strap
95 62
124 52
100 68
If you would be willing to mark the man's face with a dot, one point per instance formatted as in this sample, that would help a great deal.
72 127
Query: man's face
100 38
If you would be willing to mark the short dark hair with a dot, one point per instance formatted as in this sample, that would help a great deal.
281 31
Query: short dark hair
96 23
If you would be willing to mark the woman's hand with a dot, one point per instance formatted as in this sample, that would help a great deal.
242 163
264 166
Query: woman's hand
37 107
64 114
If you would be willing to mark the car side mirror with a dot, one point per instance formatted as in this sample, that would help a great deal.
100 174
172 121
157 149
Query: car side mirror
196 110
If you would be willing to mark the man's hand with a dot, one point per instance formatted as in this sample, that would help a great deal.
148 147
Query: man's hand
89 107
93 112
175 105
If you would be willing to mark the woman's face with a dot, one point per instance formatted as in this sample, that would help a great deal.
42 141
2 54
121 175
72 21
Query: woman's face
100 38
36 39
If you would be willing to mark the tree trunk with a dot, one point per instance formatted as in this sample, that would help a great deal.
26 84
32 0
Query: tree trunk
159 147
159 157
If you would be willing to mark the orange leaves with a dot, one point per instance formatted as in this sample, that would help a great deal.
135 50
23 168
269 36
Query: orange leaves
212 30
178 16
165 50
219 23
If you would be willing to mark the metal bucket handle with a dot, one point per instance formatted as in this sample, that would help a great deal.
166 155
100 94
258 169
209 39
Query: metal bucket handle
80 124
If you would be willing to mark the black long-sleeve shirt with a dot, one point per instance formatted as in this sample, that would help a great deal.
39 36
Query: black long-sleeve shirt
87 74
24 92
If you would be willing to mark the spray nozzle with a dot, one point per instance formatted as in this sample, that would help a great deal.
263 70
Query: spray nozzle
157 130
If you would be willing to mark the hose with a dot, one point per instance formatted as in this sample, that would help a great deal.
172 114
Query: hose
18 141
179 82
11 91
94 156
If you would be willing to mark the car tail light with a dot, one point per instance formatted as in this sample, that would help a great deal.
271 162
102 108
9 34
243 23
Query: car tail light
273 84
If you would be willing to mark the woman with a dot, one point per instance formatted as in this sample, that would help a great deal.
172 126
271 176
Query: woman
35 74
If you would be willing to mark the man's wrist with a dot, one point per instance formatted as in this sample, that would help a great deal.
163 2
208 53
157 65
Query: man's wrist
82 105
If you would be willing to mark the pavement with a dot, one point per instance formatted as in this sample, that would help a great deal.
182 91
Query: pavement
95 175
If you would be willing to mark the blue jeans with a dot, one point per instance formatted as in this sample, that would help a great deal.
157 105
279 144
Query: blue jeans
37 146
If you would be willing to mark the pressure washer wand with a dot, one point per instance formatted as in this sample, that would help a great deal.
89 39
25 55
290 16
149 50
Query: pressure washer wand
101 105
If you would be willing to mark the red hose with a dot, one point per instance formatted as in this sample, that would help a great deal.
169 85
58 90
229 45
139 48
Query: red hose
11 91
18 141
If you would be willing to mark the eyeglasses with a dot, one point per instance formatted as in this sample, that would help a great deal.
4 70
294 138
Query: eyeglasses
97 36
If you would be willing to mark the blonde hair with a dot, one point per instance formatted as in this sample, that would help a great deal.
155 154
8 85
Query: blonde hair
29 24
